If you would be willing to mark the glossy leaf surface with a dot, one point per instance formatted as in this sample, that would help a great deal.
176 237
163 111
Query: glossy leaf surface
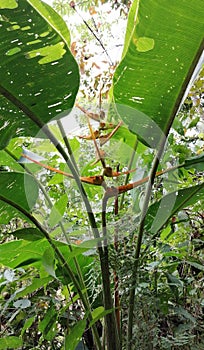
38 73
160 55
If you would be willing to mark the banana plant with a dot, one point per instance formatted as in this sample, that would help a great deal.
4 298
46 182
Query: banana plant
39 84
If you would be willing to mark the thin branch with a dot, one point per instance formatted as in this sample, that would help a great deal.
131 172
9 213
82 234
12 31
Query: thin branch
72 4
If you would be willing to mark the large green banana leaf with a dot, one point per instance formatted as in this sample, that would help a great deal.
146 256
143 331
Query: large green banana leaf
163 44
38 74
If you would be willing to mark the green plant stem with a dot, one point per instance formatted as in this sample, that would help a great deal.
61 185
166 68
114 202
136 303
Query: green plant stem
113 341
67 144
129 167
139 242
116 278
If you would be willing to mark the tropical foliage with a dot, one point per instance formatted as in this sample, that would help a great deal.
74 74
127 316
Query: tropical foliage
101 249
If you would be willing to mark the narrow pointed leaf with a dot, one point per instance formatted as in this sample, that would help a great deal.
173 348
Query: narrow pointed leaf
48 326
58 210
197 265
99 313
73 338
28 323
28 234
36 284
160 212
48 261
